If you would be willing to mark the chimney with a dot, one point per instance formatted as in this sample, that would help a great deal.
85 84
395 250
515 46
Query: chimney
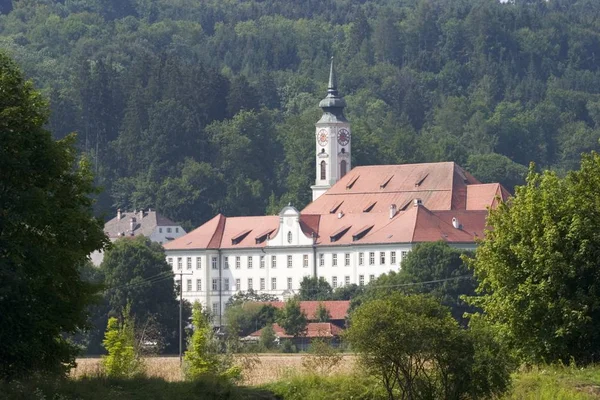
340 214
141 214
393 210
119 214
132 225
417 202
455 223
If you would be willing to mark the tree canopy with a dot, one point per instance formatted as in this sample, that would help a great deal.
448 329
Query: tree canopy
538 266
164 93
47 230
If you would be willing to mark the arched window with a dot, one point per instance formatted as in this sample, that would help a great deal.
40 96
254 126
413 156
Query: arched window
289 237
323 168
342 168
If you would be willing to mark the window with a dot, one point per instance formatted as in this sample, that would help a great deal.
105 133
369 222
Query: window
334 282
392 257
289 283
273 283
168 230
179 262
371 278
289 263
321 259
347 280
238 263
343 167
372 258
347 259
262 283
159 230
189 263
215 308
176 230
323 168
198 262
226 263
250 284
198 285
403 254
238 284
305 261
250 258
273 262
382 258
214 263
262 261
189 285
290 237
361 258
226 284
215 284
170 261
334 260
361 280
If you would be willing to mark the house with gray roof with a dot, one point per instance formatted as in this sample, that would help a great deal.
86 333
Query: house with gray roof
151 224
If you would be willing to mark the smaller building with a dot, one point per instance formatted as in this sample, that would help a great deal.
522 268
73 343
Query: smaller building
151 224
338 309
314 330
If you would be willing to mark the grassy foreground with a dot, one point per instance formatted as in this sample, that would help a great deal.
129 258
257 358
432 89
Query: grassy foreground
548 383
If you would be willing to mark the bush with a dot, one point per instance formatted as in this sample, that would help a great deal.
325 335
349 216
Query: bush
123 359
322 358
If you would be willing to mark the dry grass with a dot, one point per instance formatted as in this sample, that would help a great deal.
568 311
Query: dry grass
269 367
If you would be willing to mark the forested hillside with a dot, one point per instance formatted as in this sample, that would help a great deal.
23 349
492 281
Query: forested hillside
201 106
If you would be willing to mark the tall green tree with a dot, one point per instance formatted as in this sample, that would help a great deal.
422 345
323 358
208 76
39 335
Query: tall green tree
313 288
136 273
537 267
46 232
292 319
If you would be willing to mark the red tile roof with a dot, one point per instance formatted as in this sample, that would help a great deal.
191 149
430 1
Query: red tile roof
313 330
446 191
337 308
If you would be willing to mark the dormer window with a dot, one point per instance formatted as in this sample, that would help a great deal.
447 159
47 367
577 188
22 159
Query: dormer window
362 232
337 235
263 236
369 207
240 236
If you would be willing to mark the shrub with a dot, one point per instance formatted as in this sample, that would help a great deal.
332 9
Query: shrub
122 360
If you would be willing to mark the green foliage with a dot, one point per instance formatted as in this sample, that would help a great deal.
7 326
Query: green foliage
427 262
200 358
313 288
136 273
538 266
292 319
46 233
322 313
250 296
245 318
123 359
417 350
267 337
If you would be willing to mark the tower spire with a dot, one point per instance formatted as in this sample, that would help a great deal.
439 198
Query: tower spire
332 82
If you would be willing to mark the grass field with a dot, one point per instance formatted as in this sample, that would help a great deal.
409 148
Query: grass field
268 368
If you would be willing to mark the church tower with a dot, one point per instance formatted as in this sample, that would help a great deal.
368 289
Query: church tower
332 140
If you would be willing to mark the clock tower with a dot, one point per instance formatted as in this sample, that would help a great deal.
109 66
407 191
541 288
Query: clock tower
332 139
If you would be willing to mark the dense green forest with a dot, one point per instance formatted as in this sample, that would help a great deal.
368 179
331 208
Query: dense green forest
196 107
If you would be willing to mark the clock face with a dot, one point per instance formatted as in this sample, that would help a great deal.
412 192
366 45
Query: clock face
322 137
343 137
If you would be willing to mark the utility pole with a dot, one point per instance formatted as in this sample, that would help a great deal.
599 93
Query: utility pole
181 315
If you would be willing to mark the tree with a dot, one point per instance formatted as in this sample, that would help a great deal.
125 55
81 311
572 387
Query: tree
244 318
267 337
313 288
491 168
429 268
199 358
292 319
137 273
322 313
250 296
419 352
123 359
537 267
46 232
